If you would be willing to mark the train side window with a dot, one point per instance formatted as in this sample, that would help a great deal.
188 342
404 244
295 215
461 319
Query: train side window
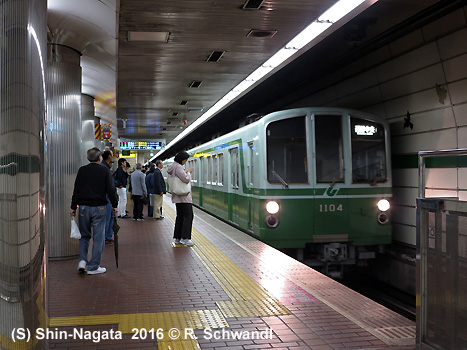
286 151
368 151
209 166
235 168
329 149
220 171
194 174
250 163
214 170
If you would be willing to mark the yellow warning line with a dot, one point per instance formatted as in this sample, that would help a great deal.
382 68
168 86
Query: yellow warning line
248 299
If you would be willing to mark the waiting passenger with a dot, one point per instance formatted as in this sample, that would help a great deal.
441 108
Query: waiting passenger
138 192
107 163
150 187
159 190
93 182
184 220
121 178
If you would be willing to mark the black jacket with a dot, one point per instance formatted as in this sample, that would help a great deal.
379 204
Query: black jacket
159 183
121 176
92 183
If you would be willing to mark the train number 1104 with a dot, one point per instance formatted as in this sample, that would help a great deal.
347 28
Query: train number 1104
330 207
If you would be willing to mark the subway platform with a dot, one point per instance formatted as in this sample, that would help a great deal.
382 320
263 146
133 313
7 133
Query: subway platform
229 291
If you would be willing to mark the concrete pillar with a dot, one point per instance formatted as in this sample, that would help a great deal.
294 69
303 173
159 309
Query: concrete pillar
87 119
23 259
64 153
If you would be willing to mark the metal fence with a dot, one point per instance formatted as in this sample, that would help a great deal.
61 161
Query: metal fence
441 269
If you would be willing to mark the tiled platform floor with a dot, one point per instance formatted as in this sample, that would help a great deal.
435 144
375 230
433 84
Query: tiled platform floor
227 282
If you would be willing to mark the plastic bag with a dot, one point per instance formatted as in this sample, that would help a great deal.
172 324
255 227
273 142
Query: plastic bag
74 230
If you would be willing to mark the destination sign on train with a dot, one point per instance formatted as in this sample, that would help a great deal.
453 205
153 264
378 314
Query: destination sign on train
133 145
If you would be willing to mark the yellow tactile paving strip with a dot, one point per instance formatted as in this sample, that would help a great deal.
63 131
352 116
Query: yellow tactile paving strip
248 300
197 319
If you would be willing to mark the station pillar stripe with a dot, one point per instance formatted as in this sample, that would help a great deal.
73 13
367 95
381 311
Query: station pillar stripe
98 131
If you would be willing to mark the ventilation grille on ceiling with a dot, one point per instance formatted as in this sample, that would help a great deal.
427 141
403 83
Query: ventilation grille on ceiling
252 4
195 83
184 102
258 33
215 56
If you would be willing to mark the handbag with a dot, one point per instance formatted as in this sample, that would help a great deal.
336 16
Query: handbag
178 187
74 230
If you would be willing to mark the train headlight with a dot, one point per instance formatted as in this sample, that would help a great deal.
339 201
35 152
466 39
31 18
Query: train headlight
272 207
383 205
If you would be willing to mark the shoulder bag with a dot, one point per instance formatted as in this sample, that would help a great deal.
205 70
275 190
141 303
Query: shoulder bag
178 187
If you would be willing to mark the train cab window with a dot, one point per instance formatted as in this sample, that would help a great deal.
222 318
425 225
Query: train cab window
329 150
286 151
368 151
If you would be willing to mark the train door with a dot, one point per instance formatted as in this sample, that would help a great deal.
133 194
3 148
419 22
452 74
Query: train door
250 182
201 177
234 185
331 203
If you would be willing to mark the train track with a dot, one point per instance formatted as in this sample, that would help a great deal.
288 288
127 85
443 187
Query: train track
392 298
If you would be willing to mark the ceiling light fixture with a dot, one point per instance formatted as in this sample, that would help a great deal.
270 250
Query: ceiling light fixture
160 37
325 21
215 56
252 4
195 83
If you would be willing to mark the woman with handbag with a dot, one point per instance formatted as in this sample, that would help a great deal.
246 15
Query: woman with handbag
180 186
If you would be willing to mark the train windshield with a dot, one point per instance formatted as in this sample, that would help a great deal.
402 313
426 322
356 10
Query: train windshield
286 151
329 149
368 151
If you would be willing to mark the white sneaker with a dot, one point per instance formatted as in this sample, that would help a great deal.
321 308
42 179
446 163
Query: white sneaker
82 266
186 242
97 271
177 241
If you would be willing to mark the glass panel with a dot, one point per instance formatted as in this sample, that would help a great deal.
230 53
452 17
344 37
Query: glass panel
234 161
368 151
329 150
221 169
209 178
251 163
214 169
286 151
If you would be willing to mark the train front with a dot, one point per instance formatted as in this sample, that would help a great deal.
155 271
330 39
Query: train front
328 188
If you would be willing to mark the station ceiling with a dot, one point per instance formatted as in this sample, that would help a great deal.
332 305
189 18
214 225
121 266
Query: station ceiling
152 63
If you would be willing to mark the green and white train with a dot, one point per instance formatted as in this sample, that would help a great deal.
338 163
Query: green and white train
314 178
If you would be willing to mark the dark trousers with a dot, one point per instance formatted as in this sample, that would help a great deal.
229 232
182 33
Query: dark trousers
183 221
137 207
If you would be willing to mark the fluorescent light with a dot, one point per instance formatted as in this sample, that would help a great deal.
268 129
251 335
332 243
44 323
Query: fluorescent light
245 84
339 10
279 57
308 34
316 28
259 73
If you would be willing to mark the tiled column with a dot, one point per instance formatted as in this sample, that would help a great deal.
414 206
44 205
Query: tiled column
23 260
64 153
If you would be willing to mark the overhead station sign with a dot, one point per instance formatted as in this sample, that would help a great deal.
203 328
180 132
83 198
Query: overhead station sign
141 145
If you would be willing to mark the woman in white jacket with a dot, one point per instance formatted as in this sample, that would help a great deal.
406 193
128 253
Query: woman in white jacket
184 220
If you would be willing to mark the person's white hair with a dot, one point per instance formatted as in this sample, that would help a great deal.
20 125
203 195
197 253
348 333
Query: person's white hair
138 166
